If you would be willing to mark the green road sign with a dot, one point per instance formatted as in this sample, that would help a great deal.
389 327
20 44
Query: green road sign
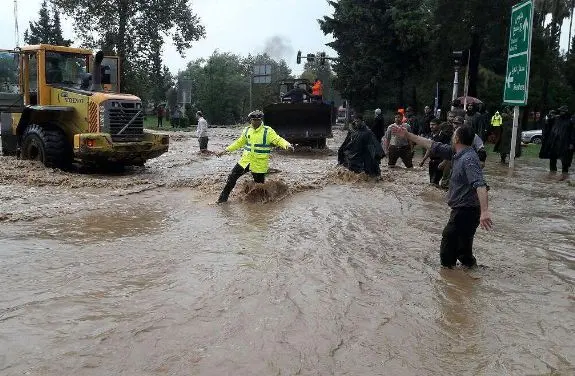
519 54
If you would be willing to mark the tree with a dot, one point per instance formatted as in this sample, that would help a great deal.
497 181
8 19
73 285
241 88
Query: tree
264 94
389 49
57 31
135 30
381 45
219 87
46 30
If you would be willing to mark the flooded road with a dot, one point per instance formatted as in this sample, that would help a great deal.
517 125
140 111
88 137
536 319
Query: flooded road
326 273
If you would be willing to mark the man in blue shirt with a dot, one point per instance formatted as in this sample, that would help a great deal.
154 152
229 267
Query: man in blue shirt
467 196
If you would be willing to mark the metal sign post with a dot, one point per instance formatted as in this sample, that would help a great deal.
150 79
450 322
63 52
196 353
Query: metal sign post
184 91
262 74
518 63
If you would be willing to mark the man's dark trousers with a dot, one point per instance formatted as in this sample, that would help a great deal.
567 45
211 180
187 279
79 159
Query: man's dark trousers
236 173
435 173
457 240
566 161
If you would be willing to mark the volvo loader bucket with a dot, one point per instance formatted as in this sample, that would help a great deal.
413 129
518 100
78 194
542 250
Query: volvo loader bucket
304 124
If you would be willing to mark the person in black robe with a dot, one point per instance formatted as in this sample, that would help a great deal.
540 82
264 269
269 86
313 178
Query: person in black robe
361 151
559 142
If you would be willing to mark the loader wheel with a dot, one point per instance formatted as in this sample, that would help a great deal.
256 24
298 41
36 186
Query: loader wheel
47 145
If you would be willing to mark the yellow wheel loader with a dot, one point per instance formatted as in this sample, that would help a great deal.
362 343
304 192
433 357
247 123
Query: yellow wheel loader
61 104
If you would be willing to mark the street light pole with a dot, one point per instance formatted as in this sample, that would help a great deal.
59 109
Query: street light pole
251 83
455 86
457 60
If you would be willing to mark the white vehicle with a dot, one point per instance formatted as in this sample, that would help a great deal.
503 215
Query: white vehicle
532 137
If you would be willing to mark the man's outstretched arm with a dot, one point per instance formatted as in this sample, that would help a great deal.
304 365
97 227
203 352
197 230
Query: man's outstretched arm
440 150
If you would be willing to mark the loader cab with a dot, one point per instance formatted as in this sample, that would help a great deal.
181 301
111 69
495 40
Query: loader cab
10 96
43 67
287 85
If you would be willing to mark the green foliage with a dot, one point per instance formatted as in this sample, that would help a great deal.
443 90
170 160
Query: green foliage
264 94
221 85
393 52
381 45
136 30
46 30
8 72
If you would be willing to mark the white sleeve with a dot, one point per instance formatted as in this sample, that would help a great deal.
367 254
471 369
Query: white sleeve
477 143
202 127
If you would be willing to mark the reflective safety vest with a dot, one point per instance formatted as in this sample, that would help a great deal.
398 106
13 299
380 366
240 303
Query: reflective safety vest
257 145
496 120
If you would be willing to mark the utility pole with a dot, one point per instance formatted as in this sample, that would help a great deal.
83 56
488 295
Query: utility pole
570 25
16 30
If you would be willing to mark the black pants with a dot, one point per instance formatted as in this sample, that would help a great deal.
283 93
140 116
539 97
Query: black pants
236 173
435 173
160 119
403 152
203 141
566 161
457 240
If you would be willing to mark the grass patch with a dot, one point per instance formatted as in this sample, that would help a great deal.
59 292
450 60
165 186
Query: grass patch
527 151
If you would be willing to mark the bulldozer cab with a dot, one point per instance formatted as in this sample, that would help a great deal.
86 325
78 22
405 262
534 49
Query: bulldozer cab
287 85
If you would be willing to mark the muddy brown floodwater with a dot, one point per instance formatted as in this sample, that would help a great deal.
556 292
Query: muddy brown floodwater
322 273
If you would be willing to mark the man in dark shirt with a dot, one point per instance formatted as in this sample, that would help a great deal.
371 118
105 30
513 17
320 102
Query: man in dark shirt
428 116
378 128
467 195
437 135
296 95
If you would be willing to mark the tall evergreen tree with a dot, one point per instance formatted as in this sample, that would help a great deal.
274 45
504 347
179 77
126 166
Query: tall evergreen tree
40 31
57 34
47 30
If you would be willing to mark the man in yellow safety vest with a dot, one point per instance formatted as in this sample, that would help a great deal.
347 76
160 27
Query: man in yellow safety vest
496 120
256 140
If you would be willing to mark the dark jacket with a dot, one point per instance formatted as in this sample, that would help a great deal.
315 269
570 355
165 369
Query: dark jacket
477 122
414 124
296 94
361 151
442 137
503 145
378 128
426 130
558 134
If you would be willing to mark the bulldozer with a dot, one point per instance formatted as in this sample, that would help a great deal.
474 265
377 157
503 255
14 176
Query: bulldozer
66 106
300 119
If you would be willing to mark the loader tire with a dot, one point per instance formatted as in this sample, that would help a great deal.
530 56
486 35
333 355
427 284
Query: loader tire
46 144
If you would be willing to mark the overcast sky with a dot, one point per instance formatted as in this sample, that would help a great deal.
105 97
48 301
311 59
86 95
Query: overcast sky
238 26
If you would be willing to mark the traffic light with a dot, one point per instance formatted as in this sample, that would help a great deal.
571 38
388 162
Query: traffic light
322 58
299 57
310 58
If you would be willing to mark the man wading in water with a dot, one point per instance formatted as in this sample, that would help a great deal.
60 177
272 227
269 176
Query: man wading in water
256 141
467 195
